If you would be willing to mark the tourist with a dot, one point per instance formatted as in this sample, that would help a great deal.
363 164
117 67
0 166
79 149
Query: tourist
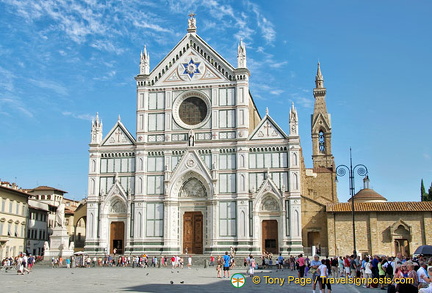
252 265
429 281
347 266
367 272
315 263
381 272
301 265
280 261
422 275
226 265
341 267
189 262
323 277
219 267
334 267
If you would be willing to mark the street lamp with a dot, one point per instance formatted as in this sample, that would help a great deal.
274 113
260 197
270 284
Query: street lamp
362 170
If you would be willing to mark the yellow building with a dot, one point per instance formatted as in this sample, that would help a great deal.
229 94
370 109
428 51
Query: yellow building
13 219
381 227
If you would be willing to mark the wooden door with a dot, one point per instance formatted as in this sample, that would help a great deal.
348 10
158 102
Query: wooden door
270 236
193 232
117 237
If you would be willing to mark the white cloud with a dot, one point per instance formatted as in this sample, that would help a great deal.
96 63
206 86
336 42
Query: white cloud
86 117
12 103
277 92
51 85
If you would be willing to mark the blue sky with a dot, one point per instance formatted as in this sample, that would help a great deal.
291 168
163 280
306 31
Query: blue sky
63 61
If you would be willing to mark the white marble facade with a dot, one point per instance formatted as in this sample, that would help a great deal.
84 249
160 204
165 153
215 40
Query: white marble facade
202 150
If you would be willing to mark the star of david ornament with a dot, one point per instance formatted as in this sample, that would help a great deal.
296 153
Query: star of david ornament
191 68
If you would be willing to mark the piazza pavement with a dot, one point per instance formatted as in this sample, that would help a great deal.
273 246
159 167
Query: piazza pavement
43 278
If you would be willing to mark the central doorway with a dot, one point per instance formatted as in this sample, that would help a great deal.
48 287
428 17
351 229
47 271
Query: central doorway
270 236
117 237
193 232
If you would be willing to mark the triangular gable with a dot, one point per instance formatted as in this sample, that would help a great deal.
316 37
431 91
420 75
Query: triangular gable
191 161
268 190
268 186
321 119
192 60
267 129
119 135
190 165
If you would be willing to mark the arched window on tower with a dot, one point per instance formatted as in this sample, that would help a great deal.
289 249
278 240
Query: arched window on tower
322 145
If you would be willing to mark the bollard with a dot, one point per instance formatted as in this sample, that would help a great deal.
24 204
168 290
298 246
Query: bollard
205 263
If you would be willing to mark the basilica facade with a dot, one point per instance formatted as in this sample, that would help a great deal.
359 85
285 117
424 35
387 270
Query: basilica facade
205 171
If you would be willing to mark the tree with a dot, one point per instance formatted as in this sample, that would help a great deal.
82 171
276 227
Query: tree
423 193
425 196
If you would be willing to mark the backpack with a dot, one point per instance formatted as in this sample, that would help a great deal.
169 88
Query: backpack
389 269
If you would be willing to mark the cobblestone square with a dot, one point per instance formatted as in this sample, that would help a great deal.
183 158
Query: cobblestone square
43 278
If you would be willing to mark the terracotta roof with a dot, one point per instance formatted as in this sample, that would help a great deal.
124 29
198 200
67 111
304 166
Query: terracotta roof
17 191
47 188
389 206
368 194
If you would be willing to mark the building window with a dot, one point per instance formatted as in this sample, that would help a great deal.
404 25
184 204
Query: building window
155 184
1 228
280 179
154 220
3 204
156 101
207 159
227 118
10 206
155 164
227 219
321 138
227 183
227 161
226 97
268 160
156 122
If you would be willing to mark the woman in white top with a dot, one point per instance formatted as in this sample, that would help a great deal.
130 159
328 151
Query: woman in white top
323 273
368 272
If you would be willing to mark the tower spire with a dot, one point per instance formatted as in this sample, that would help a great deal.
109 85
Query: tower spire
241 55
96 131
144 62
319 79
293 120
321 126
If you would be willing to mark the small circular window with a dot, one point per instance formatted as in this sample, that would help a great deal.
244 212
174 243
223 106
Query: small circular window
193 111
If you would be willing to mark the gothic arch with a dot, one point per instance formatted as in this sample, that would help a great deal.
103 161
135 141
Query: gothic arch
191 177
193 187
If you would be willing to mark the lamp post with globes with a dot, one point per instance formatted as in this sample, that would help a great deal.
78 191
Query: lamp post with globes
362 170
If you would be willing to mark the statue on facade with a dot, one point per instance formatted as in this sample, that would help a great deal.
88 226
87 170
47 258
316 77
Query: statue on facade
46 246
192 21
60 215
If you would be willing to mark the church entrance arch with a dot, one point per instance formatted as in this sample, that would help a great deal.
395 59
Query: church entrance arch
193 232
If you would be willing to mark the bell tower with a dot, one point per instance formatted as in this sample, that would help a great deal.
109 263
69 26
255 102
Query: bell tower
321 126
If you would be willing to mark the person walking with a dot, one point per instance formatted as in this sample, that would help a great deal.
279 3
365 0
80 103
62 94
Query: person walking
226 264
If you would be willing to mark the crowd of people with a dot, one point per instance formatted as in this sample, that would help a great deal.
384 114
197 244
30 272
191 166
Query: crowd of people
22 263
394 274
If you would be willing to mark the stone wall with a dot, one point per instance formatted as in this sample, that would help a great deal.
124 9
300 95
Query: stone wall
376 231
